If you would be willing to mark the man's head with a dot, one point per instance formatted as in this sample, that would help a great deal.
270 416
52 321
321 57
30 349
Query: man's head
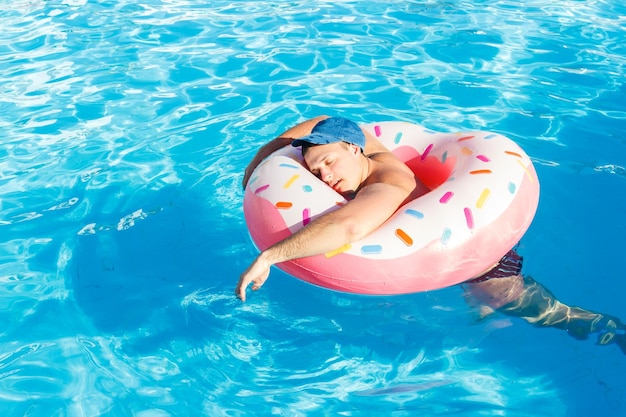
331 130
334 153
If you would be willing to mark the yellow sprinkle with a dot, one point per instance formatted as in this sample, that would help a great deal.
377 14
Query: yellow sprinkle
337 251
530 177
291 181
482 198
467 151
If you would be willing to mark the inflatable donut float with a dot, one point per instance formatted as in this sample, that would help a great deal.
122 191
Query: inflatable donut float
483 196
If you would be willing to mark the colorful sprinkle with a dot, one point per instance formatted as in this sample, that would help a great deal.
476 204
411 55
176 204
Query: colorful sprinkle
512 188
377 130
480 171
261 188
482 158
530 177
467 151
465 138
307 188
306 216
371 249
491 136
446 197
337 251
415 213
285 165
398 138
404 237
253 180
445 236
291 181
482 198
283 205
444 157
469 218
513 153
426 151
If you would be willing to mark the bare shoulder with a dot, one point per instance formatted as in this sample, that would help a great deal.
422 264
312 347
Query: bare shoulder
386 163
388 169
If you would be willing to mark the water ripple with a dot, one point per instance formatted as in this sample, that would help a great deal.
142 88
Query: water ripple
126 127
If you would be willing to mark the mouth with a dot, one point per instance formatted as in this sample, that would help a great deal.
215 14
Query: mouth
335 186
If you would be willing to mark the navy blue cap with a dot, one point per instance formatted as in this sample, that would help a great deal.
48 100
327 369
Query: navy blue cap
331 130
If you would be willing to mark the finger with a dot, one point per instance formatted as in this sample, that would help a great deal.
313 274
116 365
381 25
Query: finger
240 292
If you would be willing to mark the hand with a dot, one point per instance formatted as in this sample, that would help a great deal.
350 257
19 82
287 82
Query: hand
257 274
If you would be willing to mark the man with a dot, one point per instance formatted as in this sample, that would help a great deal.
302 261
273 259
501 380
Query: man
376 184
356 165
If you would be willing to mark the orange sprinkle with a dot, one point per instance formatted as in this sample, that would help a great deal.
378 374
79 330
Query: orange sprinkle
465 138
513 153
337 251
291 181
480 171
467 151
283 205
404 237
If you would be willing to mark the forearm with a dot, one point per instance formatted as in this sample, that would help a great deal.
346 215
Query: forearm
279 142
353 221
269 148
323 235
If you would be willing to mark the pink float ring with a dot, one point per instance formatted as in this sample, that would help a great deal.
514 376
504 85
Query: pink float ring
484 194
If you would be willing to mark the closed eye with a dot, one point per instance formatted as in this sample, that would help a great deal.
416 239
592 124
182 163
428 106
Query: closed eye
326 162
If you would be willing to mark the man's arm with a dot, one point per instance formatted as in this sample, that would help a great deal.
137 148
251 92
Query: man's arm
371 207
301 129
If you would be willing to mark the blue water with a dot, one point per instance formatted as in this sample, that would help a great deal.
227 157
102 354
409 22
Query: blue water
125 129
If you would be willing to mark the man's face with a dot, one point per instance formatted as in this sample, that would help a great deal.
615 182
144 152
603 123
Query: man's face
336 164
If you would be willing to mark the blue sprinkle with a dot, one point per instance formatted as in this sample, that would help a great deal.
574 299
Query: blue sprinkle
491 136
444 157
445 236
398 137
253 179
414 213
371 249
285 165
307 188
512 188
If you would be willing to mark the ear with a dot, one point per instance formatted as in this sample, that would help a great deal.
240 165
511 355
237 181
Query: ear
355 150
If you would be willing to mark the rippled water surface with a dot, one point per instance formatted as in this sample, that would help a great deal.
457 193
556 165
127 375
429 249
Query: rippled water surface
125 129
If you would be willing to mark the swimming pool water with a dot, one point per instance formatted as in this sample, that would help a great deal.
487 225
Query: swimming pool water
126 127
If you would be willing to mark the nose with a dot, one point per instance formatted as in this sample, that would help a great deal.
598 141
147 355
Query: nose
326 175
